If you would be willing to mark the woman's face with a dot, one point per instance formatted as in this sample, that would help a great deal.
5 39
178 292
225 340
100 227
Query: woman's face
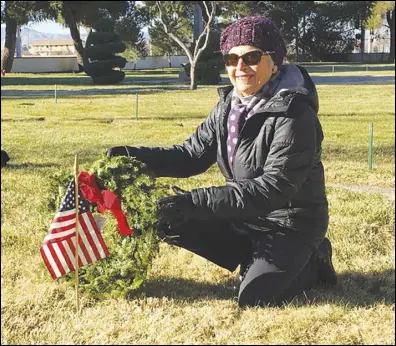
248 79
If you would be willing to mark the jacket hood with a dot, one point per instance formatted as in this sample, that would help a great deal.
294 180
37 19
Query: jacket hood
291 81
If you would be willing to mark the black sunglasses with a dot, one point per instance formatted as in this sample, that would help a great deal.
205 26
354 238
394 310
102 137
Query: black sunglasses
250 58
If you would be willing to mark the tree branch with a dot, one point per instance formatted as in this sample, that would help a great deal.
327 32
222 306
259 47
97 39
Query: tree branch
206 31
171 35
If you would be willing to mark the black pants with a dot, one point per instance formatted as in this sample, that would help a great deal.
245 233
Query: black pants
280 264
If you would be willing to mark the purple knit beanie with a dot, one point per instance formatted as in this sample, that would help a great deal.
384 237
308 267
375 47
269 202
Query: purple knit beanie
257 31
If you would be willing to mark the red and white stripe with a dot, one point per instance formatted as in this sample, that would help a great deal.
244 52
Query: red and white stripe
59 246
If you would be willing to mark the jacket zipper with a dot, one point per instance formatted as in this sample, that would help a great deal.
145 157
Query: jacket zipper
239 139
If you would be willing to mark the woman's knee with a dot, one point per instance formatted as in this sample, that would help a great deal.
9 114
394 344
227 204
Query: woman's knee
260 292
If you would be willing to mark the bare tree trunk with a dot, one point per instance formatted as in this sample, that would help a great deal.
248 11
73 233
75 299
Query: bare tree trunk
297 33
304 32
193 77
9 46
75 34
390 17
362 39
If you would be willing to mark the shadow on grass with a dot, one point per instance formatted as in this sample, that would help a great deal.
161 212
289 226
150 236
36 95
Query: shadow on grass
178 116
168 71
351 115
65 159
156 77
359 154
190 290
130 120
354 289
354 80
50 93
46 80
81 78
22 119
87 81
328 68
28 165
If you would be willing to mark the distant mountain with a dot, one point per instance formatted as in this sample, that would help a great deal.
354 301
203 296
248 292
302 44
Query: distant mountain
30 36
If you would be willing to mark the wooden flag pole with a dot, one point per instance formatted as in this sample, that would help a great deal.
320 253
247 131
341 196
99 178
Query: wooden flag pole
77 226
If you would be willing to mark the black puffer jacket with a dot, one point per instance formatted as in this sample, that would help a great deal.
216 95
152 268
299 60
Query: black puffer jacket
277 177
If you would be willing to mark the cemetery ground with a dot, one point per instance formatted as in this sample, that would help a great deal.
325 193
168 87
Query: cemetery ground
186 299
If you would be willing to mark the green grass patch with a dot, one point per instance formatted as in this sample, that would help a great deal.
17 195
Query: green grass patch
186 299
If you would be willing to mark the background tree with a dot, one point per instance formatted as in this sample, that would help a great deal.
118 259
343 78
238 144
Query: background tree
14 13
358 12
210 63
162 45
230 11
292 17
324 41
353 13
325 35
175 14
378 12
73 14
104 66
129 28
318 21
365 15
181 26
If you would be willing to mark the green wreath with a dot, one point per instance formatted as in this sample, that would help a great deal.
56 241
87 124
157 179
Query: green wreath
130 256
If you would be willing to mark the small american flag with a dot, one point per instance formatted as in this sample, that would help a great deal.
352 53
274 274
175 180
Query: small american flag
58 248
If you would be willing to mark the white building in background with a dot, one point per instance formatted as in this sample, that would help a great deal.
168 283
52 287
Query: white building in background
376 41
380 41
53 47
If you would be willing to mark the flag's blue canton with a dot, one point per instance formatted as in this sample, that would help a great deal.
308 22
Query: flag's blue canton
69 202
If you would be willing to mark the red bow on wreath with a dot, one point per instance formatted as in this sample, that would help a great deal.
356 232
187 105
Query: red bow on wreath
105 200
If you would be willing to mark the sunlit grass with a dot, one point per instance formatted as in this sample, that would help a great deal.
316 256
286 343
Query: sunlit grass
169 116
187 300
